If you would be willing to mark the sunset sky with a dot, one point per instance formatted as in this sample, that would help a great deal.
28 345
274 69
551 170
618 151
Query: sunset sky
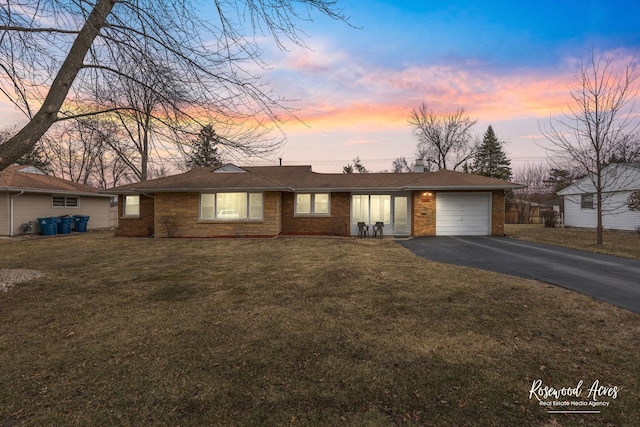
508 63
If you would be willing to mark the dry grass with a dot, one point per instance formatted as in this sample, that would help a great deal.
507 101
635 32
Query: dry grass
618 243
293 331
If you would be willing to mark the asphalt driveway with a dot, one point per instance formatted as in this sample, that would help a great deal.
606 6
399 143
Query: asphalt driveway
607 278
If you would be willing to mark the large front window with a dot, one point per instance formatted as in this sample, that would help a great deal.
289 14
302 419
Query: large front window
231 206
312 204
371 208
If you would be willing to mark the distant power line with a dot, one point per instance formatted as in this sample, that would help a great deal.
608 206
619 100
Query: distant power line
367 162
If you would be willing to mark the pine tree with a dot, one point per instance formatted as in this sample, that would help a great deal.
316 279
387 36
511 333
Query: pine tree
357 166
205 149
490 160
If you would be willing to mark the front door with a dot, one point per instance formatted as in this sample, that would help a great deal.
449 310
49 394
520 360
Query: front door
400 215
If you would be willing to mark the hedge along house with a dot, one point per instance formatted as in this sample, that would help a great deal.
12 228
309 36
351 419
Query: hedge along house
27 193
232 201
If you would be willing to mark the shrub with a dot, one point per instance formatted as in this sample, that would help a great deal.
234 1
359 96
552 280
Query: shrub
550 218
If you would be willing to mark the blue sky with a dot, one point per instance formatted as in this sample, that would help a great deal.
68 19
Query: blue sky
509 64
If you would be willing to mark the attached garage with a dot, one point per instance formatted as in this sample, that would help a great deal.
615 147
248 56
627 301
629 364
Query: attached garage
463 214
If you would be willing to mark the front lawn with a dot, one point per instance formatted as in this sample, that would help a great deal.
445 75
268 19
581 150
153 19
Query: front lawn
295 331
618 243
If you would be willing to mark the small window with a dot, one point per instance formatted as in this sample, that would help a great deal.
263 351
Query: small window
231 206
131 206
312 204
64 202
586 201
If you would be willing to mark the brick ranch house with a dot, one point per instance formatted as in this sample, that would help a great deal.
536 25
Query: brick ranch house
233 201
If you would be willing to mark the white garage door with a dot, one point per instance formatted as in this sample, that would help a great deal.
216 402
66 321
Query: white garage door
463 214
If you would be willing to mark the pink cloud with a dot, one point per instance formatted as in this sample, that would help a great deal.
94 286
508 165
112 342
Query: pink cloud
391 95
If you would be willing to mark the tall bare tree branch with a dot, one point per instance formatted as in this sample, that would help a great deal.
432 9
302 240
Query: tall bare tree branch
444 141
598 125
53 54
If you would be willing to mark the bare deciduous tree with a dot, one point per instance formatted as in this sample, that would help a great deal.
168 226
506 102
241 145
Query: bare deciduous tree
80 150
597 125
537 192
53 53
444 141
402 165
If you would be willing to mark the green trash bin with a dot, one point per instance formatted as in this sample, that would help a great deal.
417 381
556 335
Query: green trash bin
81 222
64 224
48 226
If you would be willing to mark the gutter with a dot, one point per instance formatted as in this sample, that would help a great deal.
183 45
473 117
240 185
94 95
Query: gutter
149 191
54 191
11 211
463 187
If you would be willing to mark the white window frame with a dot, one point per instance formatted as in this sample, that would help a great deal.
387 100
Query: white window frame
312 204
253 200
124 206
587 201
65 202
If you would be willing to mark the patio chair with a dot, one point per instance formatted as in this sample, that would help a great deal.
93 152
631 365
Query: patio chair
377 229
363 230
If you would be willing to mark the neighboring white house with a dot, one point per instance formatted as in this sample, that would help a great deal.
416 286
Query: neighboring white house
619 180
27 194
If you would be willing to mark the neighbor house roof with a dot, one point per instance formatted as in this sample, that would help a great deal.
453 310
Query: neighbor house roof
33 180
302 178
615 177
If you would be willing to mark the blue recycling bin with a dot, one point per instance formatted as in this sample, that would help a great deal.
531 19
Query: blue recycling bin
64 224
48 226
81 223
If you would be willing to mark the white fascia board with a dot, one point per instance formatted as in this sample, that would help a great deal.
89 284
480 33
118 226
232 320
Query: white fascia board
200 190
348 190
463 187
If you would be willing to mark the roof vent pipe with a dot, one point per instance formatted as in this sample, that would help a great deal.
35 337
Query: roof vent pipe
280 158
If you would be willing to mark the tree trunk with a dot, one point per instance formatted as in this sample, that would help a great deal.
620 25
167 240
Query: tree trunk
29 135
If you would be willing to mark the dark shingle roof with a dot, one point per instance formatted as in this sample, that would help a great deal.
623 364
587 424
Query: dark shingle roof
302 178
27 178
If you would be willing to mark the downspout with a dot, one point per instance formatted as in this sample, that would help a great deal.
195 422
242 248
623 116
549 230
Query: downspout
11 212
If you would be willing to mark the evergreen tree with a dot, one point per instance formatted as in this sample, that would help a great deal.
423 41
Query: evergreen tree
357 166
205 149
490 160
633 202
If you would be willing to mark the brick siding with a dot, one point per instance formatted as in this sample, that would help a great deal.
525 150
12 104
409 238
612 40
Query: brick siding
178 213
497 213
335 224
141 226
423 211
